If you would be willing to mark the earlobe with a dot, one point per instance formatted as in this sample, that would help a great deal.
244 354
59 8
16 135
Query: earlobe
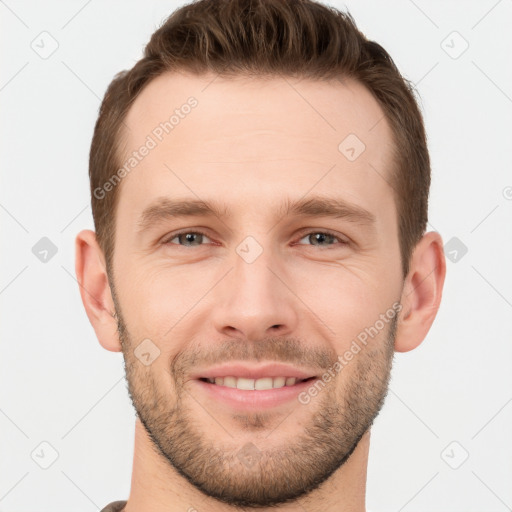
422 292
95 289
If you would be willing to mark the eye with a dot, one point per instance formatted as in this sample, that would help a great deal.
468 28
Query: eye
187 238
196 239
320 239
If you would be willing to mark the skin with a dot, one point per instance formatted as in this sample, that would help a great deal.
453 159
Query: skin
252 143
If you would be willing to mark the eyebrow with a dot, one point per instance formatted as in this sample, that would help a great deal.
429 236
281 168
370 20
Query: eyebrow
165 208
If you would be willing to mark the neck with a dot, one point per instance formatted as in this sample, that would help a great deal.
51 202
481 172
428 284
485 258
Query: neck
158 487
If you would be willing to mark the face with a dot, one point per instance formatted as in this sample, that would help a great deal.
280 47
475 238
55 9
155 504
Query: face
299 261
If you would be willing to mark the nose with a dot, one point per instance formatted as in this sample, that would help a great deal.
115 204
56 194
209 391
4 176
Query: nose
254 300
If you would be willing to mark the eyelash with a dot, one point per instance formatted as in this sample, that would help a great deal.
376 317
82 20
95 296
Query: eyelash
167 241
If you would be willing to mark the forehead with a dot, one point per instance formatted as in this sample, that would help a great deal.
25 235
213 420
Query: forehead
252 141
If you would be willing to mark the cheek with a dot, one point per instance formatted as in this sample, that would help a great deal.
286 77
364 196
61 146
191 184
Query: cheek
155 297
339 299
346 300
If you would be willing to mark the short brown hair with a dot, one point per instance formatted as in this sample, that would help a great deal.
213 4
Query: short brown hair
294 38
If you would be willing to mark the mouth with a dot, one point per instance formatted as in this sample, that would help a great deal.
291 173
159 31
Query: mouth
262 384
248 395
245 387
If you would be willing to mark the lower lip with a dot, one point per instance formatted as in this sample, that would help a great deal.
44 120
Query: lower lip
248 400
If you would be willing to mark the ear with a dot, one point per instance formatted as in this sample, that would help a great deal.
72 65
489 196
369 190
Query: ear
95 290
422 291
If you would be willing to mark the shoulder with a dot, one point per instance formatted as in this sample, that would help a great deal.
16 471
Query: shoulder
115 506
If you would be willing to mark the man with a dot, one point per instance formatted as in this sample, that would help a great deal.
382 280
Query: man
260 190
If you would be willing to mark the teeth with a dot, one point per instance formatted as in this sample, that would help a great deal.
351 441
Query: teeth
246 384
279 382
263 383
254 384
230 382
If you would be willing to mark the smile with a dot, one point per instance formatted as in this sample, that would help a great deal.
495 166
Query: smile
262 384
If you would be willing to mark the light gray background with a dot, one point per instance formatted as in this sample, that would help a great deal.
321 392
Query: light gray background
60 387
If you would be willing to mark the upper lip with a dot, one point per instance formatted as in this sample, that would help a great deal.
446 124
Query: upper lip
254 372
